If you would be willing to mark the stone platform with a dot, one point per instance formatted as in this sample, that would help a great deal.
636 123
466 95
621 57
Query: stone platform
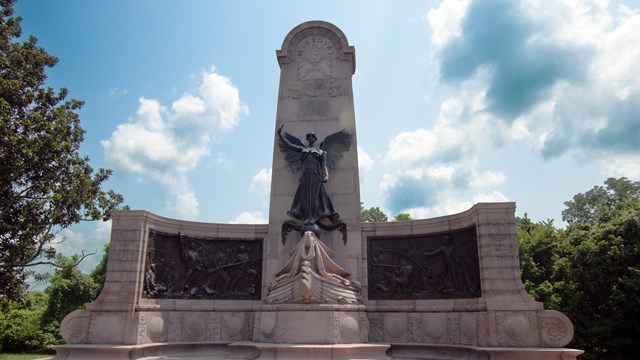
266 351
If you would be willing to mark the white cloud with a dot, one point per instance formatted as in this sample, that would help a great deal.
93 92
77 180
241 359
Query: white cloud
261 182
186 204
563 76
102 232
365 162
73 241
622 166
433 170
445 20
423 145
488 179
494 196
167 144
69 242
247 217
188 104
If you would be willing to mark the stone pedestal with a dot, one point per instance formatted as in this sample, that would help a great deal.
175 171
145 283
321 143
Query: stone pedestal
311 324
317 352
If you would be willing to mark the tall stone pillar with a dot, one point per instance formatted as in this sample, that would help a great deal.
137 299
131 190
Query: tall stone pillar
315 95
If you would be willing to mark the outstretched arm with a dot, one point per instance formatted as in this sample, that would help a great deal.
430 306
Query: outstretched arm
288 143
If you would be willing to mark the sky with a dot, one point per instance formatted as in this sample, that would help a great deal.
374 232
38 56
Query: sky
456 101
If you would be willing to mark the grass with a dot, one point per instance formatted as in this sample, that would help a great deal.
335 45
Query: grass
24 356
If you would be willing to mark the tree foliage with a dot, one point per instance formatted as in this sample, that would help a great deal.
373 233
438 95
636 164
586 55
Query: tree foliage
70 290
402 217
45 184
21 329
590 271
601 203
34 324
538 255
99 273
373 214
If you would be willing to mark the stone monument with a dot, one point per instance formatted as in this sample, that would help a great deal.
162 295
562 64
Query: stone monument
316 282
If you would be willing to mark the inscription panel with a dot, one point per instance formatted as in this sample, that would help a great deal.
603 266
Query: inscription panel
184 267
433 266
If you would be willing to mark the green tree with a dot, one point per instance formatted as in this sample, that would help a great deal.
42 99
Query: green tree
70 290
538 244
20 325
602 202
402 217
598 278
590 271
373 214
45 185
99 273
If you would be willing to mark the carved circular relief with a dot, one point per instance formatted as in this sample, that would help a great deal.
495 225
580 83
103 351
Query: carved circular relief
267 325
517 328
435 326
349 328
108 327
315 49
74 328
155 328
194 326
468 327
557 330
395 326
232 325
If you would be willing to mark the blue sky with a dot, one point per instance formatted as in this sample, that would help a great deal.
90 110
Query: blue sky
456 102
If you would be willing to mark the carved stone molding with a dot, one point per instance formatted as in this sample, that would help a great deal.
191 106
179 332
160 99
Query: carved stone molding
555 328
152 327
75 327
314 88
517 328
107 328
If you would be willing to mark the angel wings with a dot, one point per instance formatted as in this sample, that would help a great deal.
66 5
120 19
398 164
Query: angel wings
333 146
311 203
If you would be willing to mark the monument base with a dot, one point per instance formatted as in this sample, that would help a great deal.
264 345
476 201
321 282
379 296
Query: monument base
451 352
270 351
315 351
311 324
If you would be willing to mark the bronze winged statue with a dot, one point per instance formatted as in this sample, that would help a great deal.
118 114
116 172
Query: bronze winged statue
311 203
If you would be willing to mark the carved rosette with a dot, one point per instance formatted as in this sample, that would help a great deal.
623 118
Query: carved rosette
517 329
314 47
75 327
555 328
